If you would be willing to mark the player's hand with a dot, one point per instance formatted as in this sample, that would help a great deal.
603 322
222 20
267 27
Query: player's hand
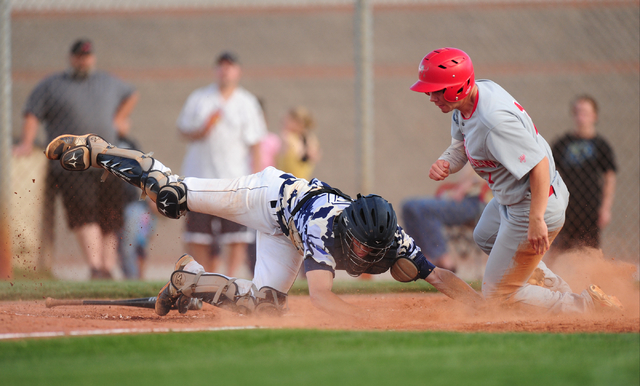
604 218
538 236
211 121
439 170
122 125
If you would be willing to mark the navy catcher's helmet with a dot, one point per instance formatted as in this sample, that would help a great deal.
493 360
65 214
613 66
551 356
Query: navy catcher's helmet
367 230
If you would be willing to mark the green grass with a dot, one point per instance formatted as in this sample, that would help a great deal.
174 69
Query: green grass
308 357
43 288
40 289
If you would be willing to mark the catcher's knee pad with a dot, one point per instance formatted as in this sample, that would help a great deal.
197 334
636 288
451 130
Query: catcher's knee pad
270 302
172 200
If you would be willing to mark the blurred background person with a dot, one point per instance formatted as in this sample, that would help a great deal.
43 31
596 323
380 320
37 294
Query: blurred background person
82 100
587 164
300 147
224 125
300 150
270 145
454 204
139 217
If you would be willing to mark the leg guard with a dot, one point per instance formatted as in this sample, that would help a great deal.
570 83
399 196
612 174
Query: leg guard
270 302
77 153
217 290
223 292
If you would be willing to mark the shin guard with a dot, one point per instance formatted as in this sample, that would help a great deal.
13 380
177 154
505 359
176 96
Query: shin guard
135 167
223 292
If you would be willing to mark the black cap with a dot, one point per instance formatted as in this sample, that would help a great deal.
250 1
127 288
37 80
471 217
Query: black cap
227 56
82 47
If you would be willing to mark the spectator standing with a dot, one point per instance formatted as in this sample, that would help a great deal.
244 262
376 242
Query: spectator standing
82 100
224 125
300 147
139 221
457 203
587 164
269 146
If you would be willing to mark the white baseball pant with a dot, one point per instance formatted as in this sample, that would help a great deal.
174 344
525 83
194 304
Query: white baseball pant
247 200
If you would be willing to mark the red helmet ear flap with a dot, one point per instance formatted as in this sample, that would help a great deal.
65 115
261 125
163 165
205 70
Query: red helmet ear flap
457 92
448 69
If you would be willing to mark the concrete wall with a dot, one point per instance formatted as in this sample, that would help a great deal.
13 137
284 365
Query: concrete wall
543 54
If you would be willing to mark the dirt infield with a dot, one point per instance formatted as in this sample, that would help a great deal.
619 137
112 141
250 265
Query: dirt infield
410 312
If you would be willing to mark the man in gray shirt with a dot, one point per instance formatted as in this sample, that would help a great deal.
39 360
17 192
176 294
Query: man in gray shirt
81 100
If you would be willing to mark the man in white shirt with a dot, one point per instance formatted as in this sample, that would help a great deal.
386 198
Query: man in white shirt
224 125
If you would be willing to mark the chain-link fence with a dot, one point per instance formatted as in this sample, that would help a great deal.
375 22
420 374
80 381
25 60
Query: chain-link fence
301 52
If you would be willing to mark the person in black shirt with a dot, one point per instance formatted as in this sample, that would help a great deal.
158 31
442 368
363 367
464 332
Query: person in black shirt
587 164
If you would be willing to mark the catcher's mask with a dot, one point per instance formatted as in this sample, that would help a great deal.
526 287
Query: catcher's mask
366 230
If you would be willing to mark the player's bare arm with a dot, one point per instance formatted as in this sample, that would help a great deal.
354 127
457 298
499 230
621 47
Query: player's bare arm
320 283
540 181
30 126
204 130
256 157
451 285
121 120
608 192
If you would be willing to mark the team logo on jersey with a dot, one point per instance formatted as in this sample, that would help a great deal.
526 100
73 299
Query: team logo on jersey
478 163
522 159
455 118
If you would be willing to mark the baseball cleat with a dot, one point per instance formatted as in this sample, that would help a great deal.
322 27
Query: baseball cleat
195 304
602 300
166 299
168 295
185 303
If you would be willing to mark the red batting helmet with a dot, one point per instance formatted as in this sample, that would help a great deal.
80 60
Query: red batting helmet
446 68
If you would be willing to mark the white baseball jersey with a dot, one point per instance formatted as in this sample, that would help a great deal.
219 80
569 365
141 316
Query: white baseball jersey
501 142
225 152
264 201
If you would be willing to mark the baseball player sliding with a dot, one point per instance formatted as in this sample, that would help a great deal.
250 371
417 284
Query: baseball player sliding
492 131
297 222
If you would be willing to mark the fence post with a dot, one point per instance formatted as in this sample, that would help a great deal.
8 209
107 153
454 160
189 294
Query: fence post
6 271
363 39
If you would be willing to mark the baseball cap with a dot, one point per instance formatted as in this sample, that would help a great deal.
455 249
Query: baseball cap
227 56
82 47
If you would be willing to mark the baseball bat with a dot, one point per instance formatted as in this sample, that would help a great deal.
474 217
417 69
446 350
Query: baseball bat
139 302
